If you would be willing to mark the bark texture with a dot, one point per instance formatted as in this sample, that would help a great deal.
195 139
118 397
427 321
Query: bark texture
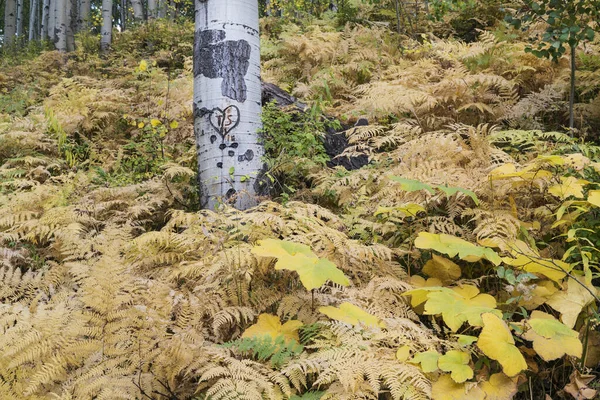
10 21
60 28
152 9
83 15
19 18
227 102
138 9
106 32
32 17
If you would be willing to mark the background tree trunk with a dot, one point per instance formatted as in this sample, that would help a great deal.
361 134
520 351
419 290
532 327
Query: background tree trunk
152 9
32 17
227 102
19 19
10 21
162 8
61 25
106 32
52 21
138 10
83 16
71 6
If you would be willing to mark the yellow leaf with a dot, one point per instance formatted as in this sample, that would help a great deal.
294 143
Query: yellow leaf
551 338
446 389
499 387
155 122
407 210
571 301
143 65
443 269
496 342
456 362
312 270
351 314
552 269
174 125
577 161
465 340
428 360
539 295
141 125
420 296
459 305
403 353
594 197
452 246
270 325
570 186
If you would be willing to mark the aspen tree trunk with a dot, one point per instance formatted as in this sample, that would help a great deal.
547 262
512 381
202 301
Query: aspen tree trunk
61 25
227 102
19 19
138 10
10 22
123 13
106 32
162 8
71 6
52 21
152 9
32 14
83 16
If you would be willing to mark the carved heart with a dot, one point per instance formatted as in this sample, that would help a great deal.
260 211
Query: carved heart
224 121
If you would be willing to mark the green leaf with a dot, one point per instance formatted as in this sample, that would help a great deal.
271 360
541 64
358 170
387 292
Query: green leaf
450 190
551 338
410 185
428 360
452 246
457 363
313 271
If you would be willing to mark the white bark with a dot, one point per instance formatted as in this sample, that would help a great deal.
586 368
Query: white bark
227 102
10 22
106 32
61 25
162 8
70 23
138 9
83 16
19 18
32 17
152 9
52 21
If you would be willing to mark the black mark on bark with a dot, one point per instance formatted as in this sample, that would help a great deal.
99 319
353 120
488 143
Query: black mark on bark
216 57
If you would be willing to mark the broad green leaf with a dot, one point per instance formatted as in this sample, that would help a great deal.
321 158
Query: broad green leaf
499 387
571 301
551 338
270 325
428 360
459 305
410 185
351 314
496 342
403 353
313 271
457 363
569 186
452 246
465 340
450 190
445 270
444 388
420 296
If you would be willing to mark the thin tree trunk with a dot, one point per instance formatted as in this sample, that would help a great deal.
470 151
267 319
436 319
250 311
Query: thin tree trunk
61 25
171 10
71 6
83 16
138 10
123 13
106 32
52 20
10 21
227 102
32 17
162 8
152 9
572 94
19 19
398 16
